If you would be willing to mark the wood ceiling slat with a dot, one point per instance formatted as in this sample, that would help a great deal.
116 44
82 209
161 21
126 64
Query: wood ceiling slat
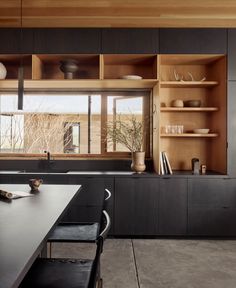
119 13
131 12
127 22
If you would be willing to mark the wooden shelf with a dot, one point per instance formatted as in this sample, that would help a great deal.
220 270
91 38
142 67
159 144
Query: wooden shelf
189 109
191 135
7 85
188 84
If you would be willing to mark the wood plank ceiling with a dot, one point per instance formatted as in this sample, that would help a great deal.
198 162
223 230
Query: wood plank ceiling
118 13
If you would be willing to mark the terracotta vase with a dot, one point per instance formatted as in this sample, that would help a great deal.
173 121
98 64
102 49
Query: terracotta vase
138 162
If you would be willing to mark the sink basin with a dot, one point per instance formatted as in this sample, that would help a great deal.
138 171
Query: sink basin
43 171
101 172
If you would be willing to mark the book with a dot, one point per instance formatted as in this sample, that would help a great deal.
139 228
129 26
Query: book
14 194
167 163
161 164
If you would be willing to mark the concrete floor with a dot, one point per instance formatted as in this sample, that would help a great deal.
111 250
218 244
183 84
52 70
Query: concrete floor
161 263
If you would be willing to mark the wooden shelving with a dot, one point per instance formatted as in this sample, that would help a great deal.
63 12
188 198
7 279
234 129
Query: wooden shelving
189 109
188 84
186 135
209 148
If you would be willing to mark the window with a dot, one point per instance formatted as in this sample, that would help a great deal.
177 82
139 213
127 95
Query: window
66 123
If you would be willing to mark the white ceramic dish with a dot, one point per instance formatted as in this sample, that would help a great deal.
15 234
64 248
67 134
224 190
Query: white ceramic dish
201 131
131 77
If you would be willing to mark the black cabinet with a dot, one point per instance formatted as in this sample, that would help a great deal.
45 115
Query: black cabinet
67 40
136 206
88 204
130 41
231 129
193 40
231 54
212 207
173 206
15 41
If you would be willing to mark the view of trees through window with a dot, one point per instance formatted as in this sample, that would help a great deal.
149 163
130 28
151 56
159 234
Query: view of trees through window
64 123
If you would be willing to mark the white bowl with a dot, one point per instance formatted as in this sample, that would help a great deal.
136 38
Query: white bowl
131 77
201 131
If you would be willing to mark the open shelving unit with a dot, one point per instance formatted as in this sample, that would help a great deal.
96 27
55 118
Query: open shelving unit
95 71
199 77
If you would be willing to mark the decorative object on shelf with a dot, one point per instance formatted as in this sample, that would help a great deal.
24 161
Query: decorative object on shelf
177 103
69 67
132 77
201 131
129 132
195 166
192 103
3 71
203 169
35 183
179 77
138 162
173 129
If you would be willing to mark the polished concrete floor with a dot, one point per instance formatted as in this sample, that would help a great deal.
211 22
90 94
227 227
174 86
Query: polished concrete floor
162 263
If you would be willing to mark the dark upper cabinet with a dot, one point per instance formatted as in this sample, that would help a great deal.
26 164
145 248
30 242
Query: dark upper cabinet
211 207
67 40
231 129
173 206
231 54
130 41
16 41
193 40
136 206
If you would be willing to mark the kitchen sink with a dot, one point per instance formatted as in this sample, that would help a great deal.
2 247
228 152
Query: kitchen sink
43 171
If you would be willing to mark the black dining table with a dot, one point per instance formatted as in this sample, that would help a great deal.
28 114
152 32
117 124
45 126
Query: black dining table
25 225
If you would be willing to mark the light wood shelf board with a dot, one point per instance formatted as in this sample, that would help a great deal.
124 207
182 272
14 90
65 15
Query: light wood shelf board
188 84
209 135
189 109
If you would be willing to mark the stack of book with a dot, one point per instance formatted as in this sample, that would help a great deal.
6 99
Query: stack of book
165 164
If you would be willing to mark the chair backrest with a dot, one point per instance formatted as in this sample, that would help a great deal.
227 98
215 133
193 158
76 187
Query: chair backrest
100 240
107 197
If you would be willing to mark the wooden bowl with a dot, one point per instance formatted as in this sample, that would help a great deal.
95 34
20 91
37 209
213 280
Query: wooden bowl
192 103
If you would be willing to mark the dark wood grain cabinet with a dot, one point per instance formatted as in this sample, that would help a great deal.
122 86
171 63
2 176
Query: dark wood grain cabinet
211 207
193 41
88 204
67 40
16 41
173 206
130 41
231 153
232 54
136 206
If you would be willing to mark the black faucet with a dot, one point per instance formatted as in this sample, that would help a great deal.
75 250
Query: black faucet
49 162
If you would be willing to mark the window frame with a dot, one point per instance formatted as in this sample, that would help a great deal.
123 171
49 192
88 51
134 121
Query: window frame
147 96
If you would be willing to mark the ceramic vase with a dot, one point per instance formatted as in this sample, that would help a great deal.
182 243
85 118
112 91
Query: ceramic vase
3 71
69 67
138 162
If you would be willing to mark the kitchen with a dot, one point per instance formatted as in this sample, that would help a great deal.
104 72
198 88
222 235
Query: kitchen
146 205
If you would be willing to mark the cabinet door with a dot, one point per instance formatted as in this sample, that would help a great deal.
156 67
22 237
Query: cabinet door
136 206
193 40
173 206
231 54
88 204
231 129
68 40
212 207
130 40
15 41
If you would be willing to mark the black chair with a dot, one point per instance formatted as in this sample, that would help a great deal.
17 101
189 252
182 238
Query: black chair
79 231
69 273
